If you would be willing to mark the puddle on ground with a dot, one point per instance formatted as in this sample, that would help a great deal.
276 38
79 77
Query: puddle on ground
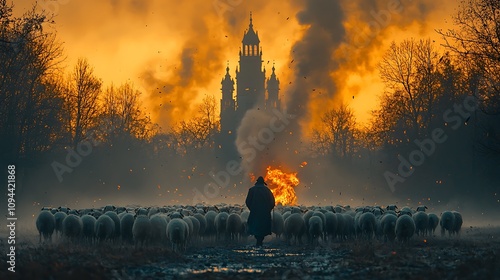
246 260
265 252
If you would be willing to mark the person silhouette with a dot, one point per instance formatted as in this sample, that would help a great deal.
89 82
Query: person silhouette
260 201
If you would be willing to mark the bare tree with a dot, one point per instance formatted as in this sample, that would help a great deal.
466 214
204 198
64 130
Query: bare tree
122 116
477 41
200 131
409 71
29 99
337 134
81 101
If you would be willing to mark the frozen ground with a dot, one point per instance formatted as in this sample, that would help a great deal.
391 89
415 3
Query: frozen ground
474 255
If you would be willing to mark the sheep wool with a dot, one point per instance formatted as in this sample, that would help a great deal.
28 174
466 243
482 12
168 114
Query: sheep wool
45 224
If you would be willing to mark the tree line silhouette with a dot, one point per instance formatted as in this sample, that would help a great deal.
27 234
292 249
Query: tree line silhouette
44 112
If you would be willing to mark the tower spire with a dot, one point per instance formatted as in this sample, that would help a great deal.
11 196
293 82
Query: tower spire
251 23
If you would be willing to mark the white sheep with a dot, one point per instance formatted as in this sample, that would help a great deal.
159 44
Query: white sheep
286 214
244 224
126 224
63 209
233 226
72 226
338 209
203 223
190 227
196 227
388 226
158 233
108 208
367 225
45 224
96 213
349 226
406 211
152 211
405 228
176 214
116 220
177 233
319 213
120 210
88 229
377 211
59 217
86 211
210 231
315 229
357 216
391 212
421 220
340 225
447 222
457 225
433 222
392 207
330 224
294 228
220 224
278 226
141 230
307 215
421 208
141 211
104 228
244 215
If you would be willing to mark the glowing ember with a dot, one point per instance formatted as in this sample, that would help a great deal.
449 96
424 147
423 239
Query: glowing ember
282 185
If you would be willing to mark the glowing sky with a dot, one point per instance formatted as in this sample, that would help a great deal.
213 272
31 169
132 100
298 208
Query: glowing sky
176 51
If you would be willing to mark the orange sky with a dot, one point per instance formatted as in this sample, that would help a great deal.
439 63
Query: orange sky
176 51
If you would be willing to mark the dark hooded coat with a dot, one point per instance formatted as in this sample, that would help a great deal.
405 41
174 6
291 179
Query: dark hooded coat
260 201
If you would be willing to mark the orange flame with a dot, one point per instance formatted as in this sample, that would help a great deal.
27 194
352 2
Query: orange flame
282 185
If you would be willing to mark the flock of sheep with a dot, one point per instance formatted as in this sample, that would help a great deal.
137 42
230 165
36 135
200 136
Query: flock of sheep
182 225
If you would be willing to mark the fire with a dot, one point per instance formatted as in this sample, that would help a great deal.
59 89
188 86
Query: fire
282 185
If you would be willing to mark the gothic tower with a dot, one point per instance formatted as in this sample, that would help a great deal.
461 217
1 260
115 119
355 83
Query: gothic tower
227 105
273 88
250 78
250 92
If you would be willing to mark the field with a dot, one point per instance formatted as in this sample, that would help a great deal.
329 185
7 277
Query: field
473 255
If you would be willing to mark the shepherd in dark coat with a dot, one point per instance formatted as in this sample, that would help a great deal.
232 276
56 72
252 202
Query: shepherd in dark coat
260 201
